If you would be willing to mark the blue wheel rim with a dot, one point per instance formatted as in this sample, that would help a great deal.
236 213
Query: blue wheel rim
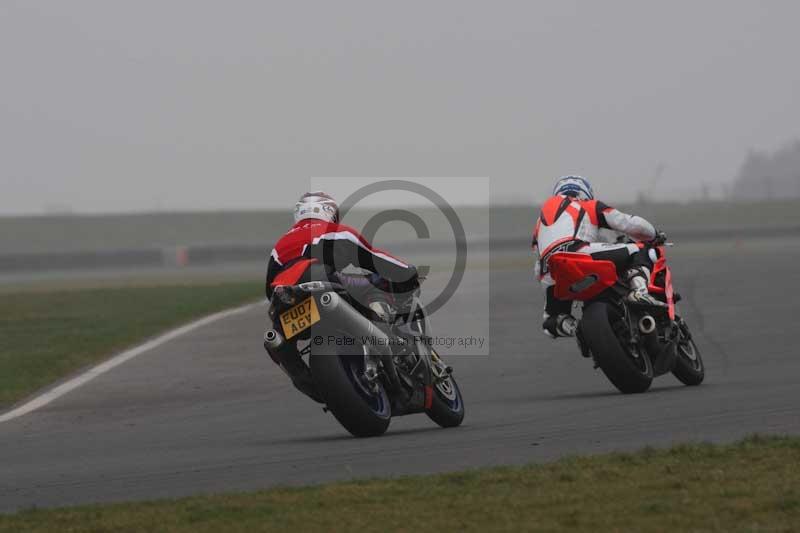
378 403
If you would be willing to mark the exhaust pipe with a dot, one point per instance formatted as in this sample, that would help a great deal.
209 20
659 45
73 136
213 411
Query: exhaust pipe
647 325
287 359
275 345
345 316
661 352
273 341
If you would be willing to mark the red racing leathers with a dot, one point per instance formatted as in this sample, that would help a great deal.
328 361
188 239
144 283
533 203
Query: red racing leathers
335 246
567 224
317 250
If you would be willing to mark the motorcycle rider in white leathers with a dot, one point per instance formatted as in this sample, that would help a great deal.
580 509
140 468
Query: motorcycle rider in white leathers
571 221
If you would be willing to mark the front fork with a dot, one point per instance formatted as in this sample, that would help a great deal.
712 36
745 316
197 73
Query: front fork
441 371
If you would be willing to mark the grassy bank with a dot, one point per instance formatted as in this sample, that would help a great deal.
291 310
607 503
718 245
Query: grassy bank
46 335
750 486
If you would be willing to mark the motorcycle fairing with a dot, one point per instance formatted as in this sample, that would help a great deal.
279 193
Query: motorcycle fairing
660 268
292 275
579 277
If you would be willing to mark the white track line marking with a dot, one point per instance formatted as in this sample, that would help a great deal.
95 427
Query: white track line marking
82 379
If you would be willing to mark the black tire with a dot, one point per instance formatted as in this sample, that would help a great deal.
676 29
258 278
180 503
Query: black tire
689 367
447 405
629 374
362 414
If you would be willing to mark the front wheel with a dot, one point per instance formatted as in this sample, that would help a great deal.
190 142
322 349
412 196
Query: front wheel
689 367
606 332
447 405
361 409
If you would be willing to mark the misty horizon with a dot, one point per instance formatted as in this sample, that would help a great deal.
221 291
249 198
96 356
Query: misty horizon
204 106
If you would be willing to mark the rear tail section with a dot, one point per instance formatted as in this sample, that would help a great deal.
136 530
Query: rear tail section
579 277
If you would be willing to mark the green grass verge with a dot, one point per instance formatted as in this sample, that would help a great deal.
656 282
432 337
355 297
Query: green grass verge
753 485
45 336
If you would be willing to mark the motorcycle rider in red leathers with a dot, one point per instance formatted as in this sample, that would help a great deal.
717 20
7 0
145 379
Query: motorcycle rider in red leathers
316 248
570 221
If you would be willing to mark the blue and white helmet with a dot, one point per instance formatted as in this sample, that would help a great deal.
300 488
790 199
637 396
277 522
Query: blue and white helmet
576 186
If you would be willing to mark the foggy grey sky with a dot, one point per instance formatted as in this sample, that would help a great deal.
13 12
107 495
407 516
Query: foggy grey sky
124 106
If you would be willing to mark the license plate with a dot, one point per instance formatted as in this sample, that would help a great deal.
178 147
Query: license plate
299 318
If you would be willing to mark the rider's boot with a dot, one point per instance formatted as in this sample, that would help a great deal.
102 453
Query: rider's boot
640 295
562 325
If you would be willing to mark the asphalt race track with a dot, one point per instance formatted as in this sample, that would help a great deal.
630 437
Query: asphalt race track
209 412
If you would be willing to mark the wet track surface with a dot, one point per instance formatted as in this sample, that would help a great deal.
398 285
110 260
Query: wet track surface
209 412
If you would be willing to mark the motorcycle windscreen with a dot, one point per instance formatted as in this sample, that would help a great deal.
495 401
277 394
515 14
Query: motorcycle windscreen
579 277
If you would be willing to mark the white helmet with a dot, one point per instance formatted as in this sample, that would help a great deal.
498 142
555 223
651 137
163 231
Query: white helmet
576 186
317 204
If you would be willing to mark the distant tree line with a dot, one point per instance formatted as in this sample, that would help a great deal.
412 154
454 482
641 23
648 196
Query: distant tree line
769 175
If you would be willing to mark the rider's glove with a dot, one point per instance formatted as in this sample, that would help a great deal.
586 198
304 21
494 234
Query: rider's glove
405 291
410 285
659 239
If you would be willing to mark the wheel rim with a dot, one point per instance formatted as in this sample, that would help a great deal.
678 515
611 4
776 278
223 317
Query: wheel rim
689 352
378 403
634 353
447 391
446 388
687 348
640 359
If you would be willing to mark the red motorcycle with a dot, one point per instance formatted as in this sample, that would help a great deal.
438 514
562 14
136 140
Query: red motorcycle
631 344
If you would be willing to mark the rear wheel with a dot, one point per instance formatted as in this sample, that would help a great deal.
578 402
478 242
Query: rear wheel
606 332
363 408
689 367
447 405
